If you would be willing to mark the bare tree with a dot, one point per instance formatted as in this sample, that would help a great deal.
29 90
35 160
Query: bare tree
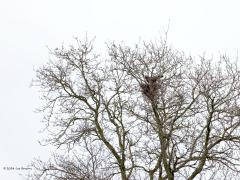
143 112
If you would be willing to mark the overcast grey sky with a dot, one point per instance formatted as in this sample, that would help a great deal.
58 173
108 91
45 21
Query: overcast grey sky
28 26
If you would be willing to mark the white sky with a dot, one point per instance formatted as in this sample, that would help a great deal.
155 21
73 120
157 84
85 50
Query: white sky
28 26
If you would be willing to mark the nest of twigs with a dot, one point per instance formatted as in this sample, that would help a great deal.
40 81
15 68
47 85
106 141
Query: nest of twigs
150 87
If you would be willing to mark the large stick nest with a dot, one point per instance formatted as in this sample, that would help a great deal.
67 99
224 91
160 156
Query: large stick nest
150 87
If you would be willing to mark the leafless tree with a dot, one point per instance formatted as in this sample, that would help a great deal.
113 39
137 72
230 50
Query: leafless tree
142 112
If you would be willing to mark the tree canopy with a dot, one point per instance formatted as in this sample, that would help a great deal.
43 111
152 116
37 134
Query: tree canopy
141 112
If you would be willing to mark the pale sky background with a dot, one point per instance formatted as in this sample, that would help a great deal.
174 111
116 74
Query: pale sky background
28 26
